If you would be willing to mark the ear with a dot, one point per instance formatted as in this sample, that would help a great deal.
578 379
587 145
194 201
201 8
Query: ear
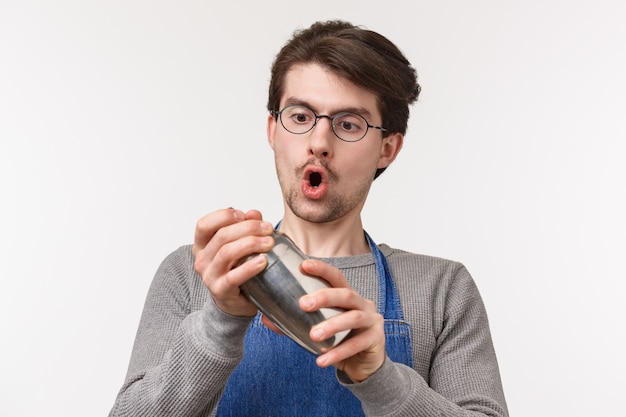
271 129
390 148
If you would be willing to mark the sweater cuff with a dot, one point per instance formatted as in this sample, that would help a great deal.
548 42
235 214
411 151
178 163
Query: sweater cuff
384 391
221 332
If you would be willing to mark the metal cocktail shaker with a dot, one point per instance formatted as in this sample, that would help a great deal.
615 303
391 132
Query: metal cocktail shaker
276 292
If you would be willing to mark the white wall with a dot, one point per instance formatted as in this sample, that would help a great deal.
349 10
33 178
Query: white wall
122 122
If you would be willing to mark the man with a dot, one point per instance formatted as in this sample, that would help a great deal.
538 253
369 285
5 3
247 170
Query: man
419 344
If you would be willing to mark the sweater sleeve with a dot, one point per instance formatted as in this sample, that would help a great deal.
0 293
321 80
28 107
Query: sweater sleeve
464 375
181 359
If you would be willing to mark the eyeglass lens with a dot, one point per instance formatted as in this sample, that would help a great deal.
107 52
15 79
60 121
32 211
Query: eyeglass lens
347 126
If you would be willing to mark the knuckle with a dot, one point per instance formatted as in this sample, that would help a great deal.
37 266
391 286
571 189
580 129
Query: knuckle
321 297
197 264
378 324
379 318
249 227
357 299
227 280
205 224
222 285
201 224
259 227
359 316
370 305
200 262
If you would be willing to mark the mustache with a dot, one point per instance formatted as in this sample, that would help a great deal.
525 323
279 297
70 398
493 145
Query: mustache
312 162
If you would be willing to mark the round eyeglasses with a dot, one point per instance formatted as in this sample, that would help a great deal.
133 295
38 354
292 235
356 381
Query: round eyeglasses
347 126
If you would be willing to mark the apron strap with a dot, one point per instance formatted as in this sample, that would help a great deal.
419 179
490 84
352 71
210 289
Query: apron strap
388 299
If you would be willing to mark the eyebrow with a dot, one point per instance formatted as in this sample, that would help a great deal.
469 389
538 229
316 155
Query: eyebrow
361 111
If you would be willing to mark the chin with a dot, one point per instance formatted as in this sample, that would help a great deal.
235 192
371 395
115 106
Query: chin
316 212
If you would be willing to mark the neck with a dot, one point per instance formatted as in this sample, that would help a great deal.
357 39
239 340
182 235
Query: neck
326 240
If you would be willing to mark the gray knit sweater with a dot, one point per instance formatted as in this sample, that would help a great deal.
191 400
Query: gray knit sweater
186 348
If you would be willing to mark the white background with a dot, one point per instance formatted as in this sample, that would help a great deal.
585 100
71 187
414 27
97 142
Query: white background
123 122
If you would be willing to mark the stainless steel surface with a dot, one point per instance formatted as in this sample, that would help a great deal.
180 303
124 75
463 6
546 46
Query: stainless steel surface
277 290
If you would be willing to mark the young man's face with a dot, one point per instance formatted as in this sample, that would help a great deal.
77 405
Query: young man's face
322 177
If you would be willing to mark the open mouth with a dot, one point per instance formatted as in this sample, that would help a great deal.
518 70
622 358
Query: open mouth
315 179
314 183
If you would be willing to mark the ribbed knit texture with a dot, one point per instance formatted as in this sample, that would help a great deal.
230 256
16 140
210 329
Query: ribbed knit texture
186 348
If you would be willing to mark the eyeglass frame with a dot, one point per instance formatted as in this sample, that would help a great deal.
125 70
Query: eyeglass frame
278 115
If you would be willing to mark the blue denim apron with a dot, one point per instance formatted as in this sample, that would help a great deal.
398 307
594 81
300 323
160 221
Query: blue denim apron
277 377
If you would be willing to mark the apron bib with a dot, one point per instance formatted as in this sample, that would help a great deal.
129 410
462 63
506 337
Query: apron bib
277 377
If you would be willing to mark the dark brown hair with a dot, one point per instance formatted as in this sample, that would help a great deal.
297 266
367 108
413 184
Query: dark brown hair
364 57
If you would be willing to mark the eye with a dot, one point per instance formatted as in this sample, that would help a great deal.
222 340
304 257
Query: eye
347 126
300 118
350 123
299 115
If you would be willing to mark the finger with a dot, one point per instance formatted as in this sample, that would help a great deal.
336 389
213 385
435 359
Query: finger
267 322
320 269
359 356
355 320
239 241
208 225
227 292
234 278
367 344
254 215
343 298
229 244
223 255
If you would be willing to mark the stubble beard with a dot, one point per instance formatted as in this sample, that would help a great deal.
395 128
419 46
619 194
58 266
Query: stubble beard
330 208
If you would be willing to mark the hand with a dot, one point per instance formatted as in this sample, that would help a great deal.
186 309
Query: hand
222 239
363 352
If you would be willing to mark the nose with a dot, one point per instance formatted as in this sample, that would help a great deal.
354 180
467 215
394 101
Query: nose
321 138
